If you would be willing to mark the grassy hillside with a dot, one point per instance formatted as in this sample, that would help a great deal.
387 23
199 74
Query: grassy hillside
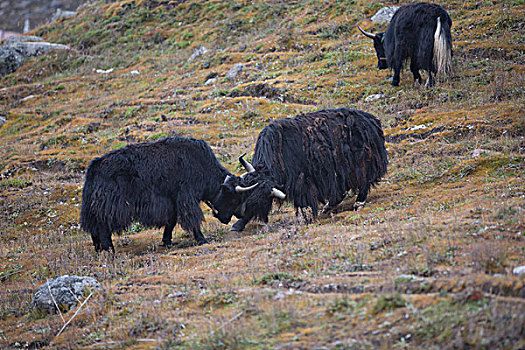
426 264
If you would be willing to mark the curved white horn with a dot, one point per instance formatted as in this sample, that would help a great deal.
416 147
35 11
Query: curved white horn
240 189
249 168
370 35
226 179
278 193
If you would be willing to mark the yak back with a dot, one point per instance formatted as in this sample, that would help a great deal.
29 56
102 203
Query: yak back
319 156
411 33
145 181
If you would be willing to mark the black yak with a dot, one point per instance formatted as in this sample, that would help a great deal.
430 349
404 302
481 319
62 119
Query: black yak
156 183
310 159
421 33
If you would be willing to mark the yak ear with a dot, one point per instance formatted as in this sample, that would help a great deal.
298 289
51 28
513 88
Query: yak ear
367 34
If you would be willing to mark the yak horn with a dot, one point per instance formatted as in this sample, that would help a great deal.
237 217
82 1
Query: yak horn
249 168
226 179
240 189
370 35
278 193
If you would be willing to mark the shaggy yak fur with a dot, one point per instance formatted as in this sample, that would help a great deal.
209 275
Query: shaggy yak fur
157 184
421 33
313 158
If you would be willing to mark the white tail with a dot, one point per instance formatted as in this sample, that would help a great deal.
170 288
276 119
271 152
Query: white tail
442 53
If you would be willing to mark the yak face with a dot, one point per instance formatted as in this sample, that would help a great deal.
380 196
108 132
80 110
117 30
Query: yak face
378 46
248 196
229 200
380 51
259 190
257 203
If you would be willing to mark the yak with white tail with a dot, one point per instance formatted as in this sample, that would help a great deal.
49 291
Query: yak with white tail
419 33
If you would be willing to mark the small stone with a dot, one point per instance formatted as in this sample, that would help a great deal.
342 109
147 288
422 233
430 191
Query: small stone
210 81
201 50
177 295
102 71
479 151
234 71
373 97
520 270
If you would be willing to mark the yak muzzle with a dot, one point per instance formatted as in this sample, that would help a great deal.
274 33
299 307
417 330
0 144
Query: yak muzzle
381 63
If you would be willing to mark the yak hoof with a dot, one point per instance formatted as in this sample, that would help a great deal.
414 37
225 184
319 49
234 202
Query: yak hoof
166 244
327 208
238 226
202 241
358 205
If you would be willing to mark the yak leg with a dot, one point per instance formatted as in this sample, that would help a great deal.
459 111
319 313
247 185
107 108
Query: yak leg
96 242
361 197
240 225
102 238
397 64
167 235
430 80
190 216
333 204
415 71
106 242
199 237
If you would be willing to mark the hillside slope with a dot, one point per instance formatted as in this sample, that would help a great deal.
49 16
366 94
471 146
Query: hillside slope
426 264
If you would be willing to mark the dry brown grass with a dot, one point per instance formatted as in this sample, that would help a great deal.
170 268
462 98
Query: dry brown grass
427 263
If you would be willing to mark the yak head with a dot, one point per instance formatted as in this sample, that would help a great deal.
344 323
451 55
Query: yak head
247 196
228 201
378 45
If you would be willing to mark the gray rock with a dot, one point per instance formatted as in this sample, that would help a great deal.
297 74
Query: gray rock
520 270
201 50
68 291
478 151
384 15
373 97
2 120
16 49
234 71
59 13
210 81
177 295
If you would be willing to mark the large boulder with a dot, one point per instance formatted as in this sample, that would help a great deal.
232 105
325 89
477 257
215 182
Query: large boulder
16 49
384 15
67 291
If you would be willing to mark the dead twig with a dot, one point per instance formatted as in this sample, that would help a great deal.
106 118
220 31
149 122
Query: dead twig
145 340
76 312
231 320
54 301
